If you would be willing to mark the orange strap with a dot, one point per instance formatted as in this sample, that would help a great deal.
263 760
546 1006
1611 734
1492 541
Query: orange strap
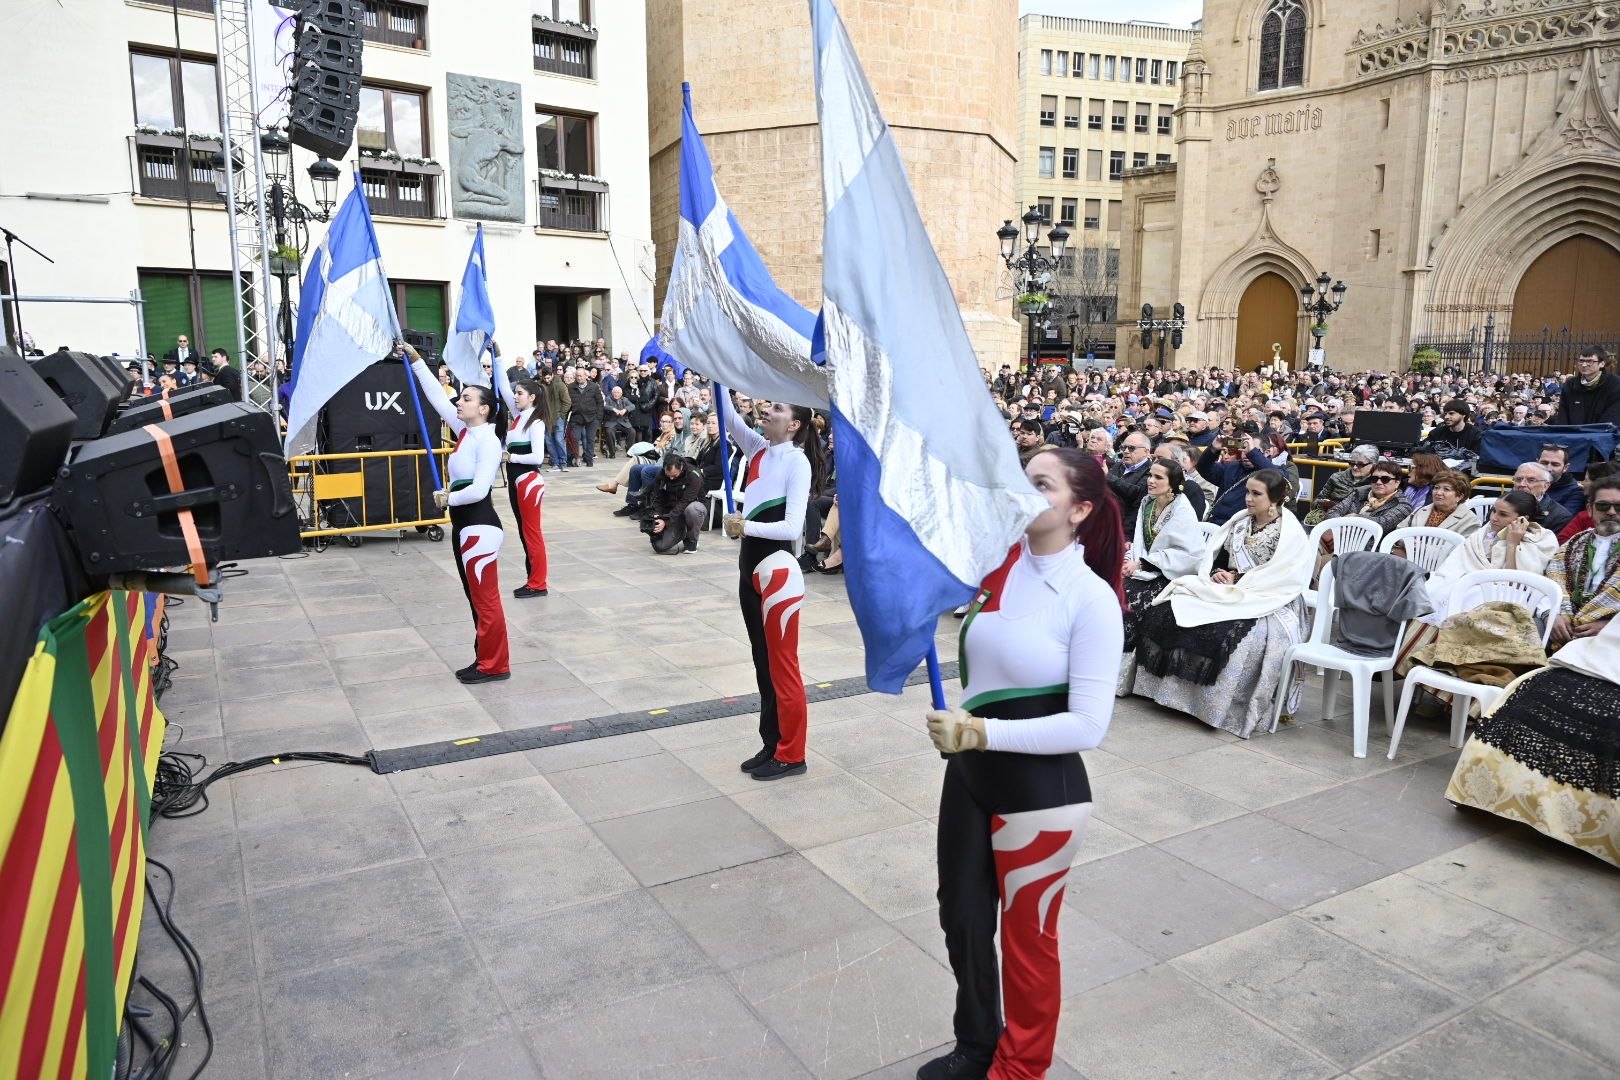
168 410
188 524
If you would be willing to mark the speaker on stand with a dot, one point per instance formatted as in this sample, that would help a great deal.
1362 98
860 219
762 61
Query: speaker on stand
326 76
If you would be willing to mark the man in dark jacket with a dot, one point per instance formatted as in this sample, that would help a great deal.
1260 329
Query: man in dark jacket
1564 490
1454 426
676 506
558 397
1592 395
1128 476
1227 467
585 415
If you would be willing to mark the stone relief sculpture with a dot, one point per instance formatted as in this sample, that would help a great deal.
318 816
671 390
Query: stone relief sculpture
486 148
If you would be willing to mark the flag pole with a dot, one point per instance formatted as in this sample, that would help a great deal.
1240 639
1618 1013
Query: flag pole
936 684
721 408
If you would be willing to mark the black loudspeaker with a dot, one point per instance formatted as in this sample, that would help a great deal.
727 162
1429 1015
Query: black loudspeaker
182 402
89 387
374 413
36 428
326 76
115 494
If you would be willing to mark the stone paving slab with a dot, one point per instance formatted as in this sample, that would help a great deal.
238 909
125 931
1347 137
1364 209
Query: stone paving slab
635 906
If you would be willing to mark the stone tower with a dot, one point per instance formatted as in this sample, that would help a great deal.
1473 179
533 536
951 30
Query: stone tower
945 74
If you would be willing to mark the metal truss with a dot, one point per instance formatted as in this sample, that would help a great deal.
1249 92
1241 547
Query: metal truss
245 201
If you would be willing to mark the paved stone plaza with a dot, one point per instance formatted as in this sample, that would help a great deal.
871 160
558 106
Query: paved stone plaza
634 906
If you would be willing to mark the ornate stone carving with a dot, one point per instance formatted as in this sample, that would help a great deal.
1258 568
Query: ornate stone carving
486 147
1512 67
1269 181
1492 27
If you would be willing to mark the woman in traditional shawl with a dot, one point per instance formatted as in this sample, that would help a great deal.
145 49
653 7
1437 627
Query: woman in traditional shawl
1549 755
1212 643
1167 543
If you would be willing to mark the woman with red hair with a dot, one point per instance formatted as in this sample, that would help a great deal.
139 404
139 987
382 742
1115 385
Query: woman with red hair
1039 660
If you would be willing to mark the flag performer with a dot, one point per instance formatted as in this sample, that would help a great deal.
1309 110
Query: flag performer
525 484
931 498
475 528
784 465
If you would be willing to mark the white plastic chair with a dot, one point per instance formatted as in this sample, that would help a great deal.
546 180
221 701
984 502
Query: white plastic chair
1542 596
1319 651
1349 534
1425 546
1482 505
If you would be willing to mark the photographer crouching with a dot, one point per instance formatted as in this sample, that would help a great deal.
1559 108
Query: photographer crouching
676 507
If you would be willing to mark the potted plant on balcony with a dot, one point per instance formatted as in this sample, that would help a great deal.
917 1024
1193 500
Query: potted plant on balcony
1033 303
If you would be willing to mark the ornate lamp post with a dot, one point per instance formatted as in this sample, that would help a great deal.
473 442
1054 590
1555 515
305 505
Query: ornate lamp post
1034 268
290 222
1170 328
1322 299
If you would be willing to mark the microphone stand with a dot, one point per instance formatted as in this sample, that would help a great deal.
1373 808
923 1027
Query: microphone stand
16 293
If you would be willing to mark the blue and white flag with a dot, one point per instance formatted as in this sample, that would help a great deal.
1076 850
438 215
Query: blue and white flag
348 310
475 320
930 492
724 316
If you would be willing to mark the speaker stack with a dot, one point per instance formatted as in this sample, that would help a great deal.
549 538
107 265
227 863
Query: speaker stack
92 388
326 76
374 413
36 428
182 402
124 496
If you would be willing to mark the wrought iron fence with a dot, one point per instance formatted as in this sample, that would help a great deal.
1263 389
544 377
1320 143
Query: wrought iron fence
563 205
395 23
1541 353
563 54
163 168
401 194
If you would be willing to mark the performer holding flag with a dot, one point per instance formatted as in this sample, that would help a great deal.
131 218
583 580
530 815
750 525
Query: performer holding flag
525 484
475 528
931 498
784 466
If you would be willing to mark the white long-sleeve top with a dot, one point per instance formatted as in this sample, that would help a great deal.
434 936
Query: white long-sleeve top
1045 626
778 474
477 456
522 420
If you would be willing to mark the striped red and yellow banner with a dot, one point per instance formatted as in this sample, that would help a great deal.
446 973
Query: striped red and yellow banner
77 760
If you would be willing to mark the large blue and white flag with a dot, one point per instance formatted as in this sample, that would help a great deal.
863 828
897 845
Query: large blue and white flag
723 313
346 318
930 492
475 319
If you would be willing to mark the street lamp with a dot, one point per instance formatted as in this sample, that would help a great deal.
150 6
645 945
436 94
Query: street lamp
1034 267
289 218
1322 299
1170 328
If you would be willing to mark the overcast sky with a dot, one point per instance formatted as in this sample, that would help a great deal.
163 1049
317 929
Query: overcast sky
1175 12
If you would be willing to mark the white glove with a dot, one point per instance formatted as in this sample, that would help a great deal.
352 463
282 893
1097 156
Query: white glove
441 498
955 730
734 525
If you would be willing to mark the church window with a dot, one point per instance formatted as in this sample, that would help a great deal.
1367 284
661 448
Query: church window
1282 45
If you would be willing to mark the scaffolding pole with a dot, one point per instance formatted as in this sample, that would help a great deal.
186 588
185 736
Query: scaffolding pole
244 197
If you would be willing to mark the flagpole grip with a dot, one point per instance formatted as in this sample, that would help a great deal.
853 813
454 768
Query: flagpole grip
936 682
722 401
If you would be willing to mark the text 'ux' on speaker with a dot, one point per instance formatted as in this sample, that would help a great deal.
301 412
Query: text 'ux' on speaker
181 402
91 388
36 428
118 501
326 76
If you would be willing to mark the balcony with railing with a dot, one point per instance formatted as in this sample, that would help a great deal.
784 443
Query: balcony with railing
571 203
165 164
390 22
564 48
401 190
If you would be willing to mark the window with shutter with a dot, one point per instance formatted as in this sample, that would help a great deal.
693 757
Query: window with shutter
165 309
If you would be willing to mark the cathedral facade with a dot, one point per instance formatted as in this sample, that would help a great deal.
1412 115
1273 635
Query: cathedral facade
1450 162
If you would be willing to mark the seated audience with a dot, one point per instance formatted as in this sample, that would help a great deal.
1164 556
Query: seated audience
1534 479
1212 643
1447 507
1380 502
1227 463
1343 481
1425 467
1564 490
1549 754
1588 569
1596 471
1166 542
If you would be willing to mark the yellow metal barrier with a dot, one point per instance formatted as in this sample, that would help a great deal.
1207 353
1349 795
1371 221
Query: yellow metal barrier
311 483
